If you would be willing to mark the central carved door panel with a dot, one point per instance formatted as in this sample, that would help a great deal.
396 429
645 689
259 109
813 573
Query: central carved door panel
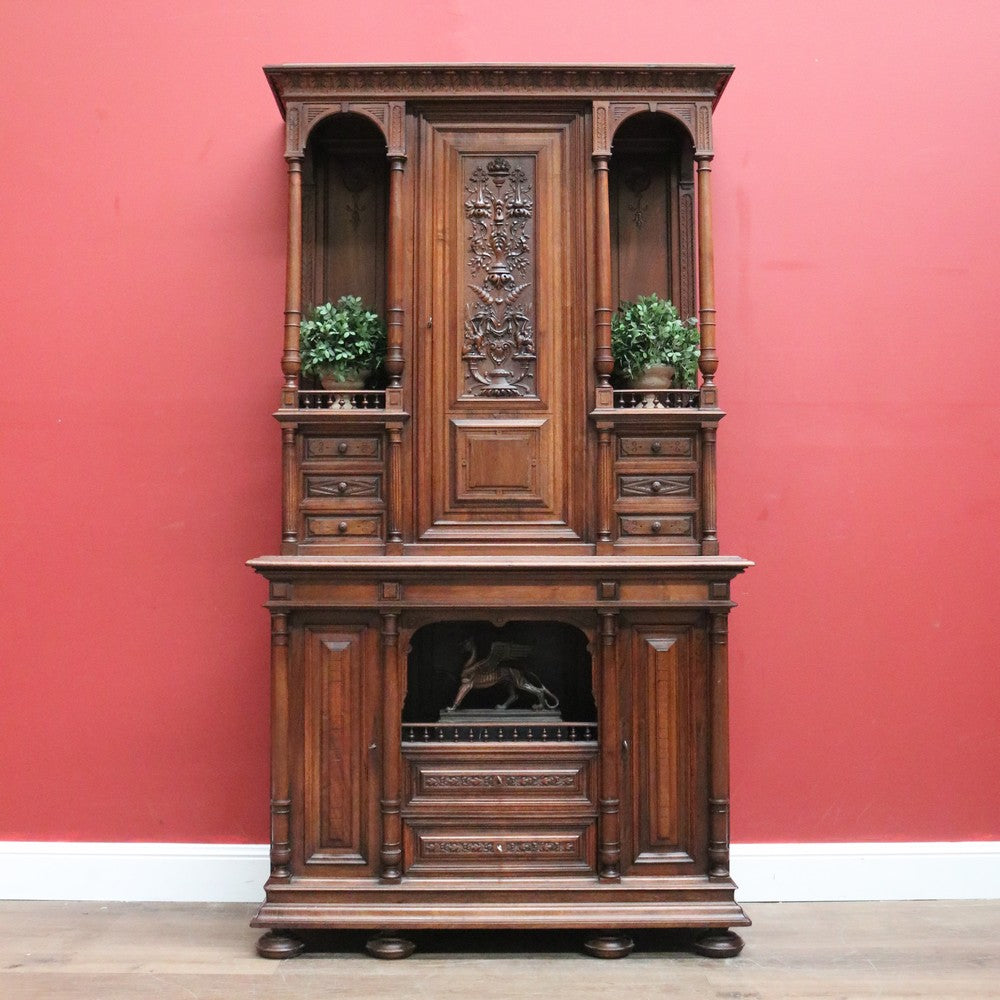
500 343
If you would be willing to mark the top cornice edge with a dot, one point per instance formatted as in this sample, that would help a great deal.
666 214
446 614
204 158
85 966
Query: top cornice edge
302 81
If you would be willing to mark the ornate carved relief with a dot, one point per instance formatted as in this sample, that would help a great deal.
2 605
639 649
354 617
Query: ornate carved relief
602 138
637 180
490 847
397 145
704 128
621 111
379 113
538 81
499 345
687 250
293 141
500 781
657 486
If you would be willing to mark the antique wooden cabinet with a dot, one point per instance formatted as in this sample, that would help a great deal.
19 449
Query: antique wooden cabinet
496 510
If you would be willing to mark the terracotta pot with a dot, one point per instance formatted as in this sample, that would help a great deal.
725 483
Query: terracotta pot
352 380
655 377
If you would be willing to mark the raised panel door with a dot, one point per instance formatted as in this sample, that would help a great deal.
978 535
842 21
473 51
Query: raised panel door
665 792
338 767
500 412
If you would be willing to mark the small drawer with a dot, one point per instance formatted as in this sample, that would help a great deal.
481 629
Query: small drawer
323 448
552 849
653 487
348 488
435 783
657 527
325 529
656 446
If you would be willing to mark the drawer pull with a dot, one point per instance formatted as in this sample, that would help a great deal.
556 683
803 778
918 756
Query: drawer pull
655 527
341 487
657 486
655 447
342 448
342 527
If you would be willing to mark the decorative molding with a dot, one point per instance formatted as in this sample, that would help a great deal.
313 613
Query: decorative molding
231 873
292 83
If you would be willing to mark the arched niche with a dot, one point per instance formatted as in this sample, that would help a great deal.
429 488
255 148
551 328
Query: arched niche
651 189
345 183
559 658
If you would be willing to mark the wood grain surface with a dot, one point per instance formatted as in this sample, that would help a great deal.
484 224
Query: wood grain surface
794 951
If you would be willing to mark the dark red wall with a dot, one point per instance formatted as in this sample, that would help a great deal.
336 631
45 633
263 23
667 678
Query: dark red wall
141 217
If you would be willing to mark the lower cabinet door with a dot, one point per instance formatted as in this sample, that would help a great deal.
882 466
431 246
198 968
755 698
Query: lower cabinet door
336 748
665 771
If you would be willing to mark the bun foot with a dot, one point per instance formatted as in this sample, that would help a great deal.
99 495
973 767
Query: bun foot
609 946
388 946
272 945
718 944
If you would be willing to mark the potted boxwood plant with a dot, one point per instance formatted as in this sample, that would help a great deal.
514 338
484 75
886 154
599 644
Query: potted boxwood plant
652 346
342 344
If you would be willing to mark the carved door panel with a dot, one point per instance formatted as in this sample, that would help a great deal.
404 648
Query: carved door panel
665 774
337 807
500 416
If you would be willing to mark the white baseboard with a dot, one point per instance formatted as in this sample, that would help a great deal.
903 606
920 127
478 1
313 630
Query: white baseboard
772 873
235 873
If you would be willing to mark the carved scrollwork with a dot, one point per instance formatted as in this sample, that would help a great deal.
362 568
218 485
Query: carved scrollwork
500 781
499 346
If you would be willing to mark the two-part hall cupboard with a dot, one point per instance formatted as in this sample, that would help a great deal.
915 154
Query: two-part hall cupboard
494 508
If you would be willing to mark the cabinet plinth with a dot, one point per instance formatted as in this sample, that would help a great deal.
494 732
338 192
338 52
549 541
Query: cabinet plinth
499 615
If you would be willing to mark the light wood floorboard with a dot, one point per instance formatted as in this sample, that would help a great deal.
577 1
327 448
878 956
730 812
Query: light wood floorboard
795 951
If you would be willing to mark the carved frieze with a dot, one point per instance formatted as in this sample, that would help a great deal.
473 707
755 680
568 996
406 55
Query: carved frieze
493 847
499 341
292 83
500 780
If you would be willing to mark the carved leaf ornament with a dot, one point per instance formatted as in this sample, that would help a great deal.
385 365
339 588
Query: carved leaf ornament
499 347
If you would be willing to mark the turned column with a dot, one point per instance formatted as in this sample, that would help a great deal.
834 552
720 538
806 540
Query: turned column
718 803
603 359
394 282
290 361
609 847
709 361
281 806
391 852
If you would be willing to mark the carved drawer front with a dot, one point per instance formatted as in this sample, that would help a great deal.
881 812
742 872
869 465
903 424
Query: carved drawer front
656 446
656 487
323 491
328 529
326 448
436 784
476 848
663 526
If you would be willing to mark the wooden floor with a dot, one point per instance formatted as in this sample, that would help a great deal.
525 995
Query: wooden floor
820 951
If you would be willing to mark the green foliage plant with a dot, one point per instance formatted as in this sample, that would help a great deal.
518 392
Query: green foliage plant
342 339
649 332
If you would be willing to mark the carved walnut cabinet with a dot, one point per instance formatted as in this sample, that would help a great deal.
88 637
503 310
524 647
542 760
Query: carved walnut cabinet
499 613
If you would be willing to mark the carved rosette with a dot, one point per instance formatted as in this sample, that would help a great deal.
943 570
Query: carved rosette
499 341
